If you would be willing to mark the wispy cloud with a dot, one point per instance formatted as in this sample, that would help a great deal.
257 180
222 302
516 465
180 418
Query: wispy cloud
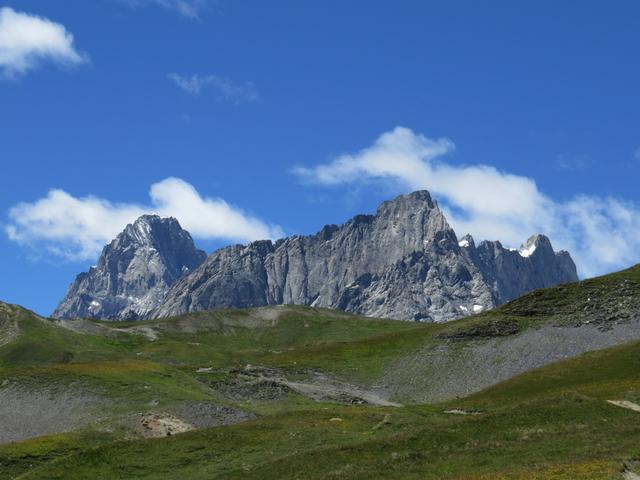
26 41
636 154
600 232
573 162
224 87
187 8
77 228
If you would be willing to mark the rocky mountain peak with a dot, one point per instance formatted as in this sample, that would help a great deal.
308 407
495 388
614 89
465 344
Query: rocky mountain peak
134 271
403 262
467 242
420 199
535 243
415 212
146 228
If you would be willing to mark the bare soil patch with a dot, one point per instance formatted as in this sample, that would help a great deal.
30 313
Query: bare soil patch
157 425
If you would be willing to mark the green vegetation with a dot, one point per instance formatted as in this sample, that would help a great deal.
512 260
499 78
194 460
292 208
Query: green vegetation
550 423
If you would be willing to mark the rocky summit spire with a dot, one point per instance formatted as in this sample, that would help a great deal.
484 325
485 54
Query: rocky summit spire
134 271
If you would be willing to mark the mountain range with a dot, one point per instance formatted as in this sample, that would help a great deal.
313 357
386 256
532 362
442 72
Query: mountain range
544 385
404 262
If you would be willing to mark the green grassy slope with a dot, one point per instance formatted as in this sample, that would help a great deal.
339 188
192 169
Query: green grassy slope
223 338
315 337
549 423
43 351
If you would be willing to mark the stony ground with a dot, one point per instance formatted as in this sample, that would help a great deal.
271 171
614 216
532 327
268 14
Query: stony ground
453 369
27 413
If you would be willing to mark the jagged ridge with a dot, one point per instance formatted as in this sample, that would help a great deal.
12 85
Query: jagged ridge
404 262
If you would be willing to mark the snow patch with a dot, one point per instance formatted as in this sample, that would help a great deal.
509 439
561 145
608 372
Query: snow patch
141 231
463 243
527 251
478 308
463 308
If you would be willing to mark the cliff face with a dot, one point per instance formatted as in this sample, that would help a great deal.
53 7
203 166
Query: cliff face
534 265
134 272
404 262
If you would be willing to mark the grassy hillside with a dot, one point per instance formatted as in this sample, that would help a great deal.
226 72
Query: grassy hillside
309 386
550 423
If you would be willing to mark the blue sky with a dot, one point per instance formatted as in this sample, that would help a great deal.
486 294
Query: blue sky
248 119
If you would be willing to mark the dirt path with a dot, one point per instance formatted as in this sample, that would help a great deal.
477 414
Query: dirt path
84 326
625 404
337 391
459 411
322 387
268 313
92 328
148 332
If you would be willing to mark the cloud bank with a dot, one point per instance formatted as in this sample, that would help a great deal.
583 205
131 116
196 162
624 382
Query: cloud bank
225 88
601 233
27 41
77 228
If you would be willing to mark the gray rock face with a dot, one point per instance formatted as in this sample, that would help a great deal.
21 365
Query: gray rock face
133 273
514 272
405 262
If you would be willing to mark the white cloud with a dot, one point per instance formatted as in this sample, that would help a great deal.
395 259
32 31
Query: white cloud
78 228
207 217
225 88
27 40
187 8
600 233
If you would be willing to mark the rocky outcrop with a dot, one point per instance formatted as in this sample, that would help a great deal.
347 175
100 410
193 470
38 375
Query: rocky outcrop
133 273
514 272
404 262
